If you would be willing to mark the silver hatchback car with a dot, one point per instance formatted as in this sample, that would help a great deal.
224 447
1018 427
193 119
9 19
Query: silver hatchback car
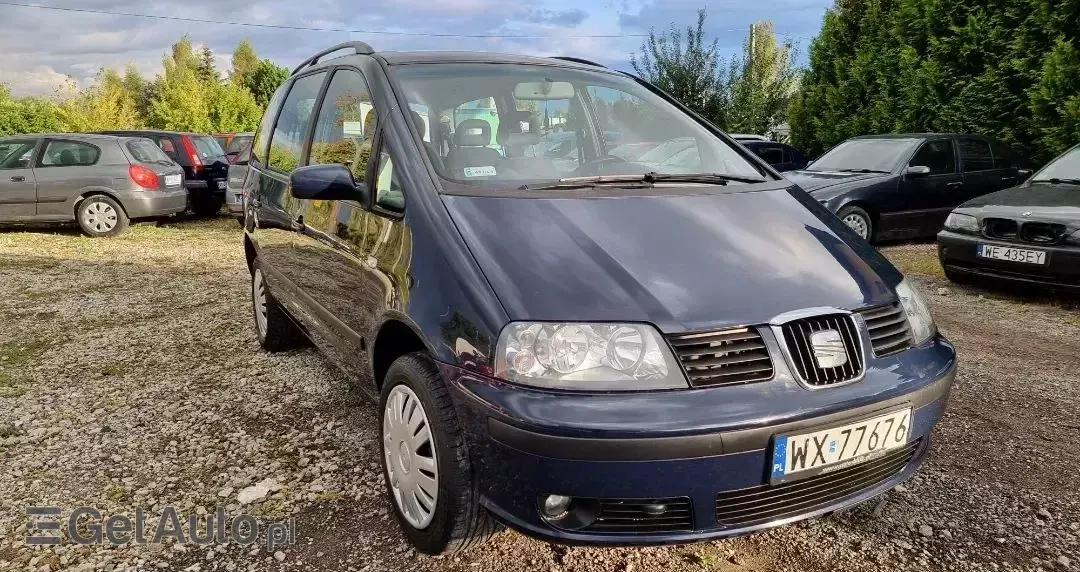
101 182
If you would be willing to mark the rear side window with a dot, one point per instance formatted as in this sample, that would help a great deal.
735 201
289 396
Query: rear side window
297 113
144 151
207 147
937 155
69 154
975 155
16 154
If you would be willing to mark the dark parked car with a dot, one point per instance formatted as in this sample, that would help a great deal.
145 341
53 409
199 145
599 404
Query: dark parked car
591 352
238 151
781 156
903 186
1029 234
99 181
206 169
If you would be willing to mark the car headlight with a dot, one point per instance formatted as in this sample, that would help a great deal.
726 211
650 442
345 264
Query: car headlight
918 314
603 357
958 221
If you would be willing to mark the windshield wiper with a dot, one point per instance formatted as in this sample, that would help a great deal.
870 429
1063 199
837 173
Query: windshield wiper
1058 181
860 171
639 181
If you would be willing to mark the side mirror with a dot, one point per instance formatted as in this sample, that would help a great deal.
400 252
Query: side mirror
333 182
1024 173
917 170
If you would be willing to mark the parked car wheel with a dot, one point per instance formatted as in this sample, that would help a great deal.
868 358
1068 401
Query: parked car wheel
859 221
275 329
425 463
101 215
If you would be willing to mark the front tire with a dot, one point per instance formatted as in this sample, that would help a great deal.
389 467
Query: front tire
426 465
275 330
858 220
100 215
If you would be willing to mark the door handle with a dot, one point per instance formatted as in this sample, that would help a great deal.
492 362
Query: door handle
18 179
955 185
1008 179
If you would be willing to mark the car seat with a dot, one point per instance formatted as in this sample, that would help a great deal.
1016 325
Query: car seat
470 147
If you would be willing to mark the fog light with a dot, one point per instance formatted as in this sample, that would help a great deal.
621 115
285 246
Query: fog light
556 506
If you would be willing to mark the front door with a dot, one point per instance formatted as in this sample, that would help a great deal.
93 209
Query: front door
365 249
928 198
18 189
63 171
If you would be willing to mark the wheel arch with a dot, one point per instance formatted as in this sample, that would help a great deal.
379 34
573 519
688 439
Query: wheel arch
395 337
92 192
250 253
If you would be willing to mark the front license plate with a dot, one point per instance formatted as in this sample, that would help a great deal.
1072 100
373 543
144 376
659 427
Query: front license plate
172 180
1023 255
221 184
804 454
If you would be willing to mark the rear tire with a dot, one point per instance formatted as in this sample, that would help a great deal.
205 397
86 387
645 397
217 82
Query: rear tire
101 215
456 521
858 220
275 330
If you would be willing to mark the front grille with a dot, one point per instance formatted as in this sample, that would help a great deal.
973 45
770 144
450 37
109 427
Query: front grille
797 335
888 329
1003 228
723 357
1042 232
643 515
767 503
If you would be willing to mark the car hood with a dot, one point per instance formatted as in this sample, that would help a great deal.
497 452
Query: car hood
1042 201
682 262
812 181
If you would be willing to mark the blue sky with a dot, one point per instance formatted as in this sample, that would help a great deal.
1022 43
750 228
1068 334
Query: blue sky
42 47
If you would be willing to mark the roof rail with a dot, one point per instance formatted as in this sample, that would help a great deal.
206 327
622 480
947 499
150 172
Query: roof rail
579 61
358 48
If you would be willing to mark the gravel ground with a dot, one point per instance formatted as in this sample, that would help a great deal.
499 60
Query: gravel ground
130 377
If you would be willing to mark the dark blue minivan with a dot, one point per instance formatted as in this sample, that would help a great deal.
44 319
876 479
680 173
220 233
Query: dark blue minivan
663 344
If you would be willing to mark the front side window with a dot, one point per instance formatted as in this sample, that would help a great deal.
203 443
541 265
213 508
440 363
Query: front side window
388 194
975 155
16 154
516 124
771 155
865 156
297 113
69 154
937 155
346 124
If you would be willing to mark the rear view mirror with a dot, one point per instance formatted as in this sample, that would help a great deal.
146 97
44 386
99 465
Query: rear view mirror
543 90
333 182
917 170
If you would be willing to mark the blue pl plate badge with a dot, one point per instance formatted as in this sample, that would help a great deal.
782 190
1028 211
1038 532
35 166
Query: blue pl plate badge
479 171
779 457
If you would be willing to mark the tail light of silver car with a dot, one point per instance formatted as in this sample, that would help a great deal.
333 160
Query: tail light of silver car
144 177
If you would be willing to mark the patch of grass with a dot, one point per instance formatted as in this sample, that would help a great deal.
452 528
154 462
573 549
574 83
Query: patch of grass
17 353
115 493
21 263
116 369
9 387
922 261
32 295
701 558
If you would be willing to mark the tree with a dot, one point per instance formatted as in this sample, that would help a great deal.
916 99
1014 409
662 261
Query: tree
244 62
107 104
233 108
27 114
265 80
181 101
686 66
207 71
761 83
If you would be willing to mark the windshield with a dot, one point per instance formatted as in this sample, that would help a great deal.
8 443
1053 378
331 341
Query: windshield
207 146
508 125
873 155
1064 167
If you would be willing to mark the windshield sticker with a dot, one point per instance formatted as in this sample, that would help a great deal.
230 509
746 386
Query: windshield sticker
479 171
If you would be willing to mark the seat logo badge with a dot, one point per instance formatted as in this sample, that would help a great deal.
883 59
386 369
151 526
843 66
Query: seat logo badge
829 350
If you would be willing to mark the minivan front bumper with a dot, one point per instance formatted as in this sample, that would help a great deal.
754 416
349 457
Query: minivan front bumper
704 453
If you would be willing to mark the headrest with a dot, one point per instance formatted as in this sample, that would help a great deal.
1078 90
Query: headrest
473 133
517 128
418 121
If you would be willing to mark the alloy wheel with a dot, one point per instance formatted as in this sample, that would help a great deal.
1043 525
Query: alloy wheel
99 216
411 462
857 223
258 296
